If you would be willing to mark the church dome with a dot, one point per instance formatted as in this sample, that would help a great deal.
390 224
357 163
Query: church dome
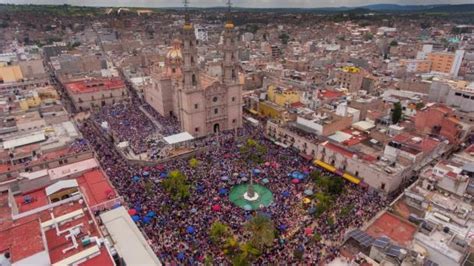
175 52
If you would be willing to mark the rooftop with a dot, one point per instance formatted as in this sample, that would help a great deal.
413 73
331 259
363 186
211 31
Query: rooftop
395 228
95 187
94 85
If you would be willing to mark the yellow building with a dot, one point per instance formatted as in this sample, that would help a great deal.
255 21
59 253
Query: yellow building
30 101
351 69
270 110
10 74
48 92
281 96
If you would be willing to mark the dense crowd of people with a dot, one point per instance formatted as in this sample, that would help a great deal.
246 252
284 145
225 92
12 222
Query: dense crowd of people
169 125
128 123
169 232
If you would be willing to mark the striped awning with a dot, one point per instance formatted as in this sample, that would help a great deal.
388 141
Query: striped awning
324 165
252 111
351 178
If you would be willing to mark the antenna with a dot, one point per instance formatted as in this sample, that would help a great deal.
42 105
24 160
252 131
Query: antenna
229 10
186 11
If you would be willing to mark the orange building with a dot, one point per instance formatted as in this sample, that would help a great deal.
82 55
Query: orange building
439 120
441 61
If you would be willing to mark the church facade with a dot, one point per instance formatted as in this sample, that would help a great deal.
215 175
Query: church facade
202 104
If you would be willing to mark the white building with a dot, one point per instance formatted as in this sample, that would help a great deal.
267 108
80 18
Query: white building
201 33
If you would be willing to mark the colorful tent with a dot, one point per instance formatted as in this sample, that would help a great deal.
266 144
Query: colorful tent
223 191
216 207
136 218
146 219
132 211
295 181
190 230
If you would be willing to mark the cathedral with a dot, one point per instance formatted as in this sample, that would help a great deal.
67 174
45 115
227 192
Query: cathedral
202 104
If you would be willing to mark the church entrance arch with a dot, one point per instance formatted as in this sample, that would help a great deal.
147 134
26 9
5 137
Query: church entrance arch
216 128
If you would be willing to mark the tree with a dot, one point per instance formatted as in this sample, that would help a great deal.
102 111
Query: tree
396 112
176 185
149 187
331 185
284 38
231 246
253 151
324 200
262 231
368 36
394 43
219 232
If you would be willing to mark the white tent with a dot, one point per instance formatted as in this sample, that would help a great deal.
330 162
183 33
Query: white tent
178 138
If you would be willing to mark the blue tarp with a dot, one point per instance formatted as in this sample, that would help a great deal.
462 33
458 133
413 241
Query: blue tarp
151 214
136 178
181 256
285 194
136 218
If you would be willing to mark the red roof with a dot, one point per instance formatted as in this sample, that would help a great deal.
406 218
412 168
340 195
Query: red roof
330 94
395 228
38 199
23 237
297 104
95 187
339 150
22 240
94 85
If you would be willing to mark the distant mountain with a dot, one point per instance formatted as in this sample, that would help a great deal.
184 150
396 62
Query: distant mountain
375 8
394 7
378 8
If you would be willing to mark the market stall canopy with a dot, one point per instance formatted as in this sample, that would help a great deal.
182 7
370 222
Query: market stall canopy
178 138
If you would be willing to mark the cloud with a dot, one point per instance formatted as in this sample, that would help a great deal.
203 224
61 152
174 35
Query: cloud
237 3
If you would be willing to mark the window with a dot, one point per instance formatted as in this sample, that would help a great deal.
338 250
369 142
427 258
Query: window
194 80
196 129
382 186
216 111
233 99
214 99
196 106
234 121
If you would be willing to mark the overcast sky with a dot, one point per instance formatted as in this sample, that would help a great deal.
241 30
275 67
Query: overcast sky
237 3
